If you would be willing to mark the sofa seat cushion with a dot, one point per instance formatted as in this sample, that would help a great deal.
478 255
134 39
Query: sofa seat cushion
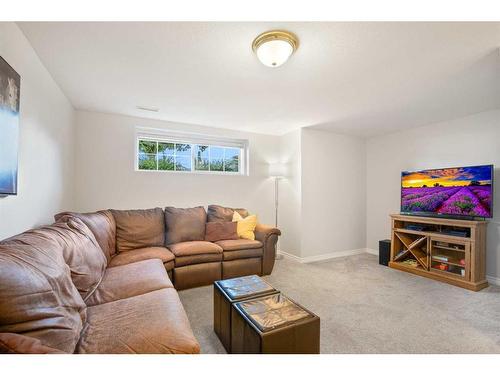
189 248
241 244
12 343
136 229
154 322
130 280
137 255
197 259
242 254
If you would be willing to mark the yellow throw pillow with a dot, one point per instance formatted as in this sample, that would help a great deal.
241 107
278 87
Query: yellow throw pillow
245 227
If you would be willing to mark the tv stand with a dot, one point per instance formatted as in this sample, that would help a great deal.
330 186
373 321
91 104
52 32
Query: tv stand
448 250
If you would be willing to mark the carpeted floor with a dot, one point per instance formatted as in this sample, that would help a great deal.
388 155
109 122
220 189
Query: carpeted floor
367 308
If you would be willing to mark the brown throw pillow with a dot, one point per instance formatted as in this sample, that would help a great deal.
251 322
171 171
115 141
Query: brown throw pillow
218 231
185 224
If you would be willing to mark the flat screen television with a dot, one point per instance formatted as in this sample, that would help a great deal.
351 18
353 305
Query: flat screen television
453 192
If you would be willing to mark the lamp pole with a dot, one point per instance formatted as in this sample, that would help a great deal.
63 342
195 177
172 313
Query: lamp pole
276 204
276 197
277 171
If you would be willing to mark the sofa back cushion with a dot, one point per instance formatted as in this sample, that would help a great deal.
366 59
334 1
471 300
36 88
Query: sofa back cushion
220 213
103 226
185 224
136 229
81 253
243 212
37 296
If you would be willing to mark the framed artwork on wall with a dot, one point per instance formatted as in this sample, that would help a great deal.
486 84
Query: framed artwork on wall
10 83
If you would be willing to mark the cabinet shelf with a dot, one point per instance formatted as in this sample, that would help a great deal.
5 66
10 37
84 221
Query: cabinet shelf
447 274
452 262
448 248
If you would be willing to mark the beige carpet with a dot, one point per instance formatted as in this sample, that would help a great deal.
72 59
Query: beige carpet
367 308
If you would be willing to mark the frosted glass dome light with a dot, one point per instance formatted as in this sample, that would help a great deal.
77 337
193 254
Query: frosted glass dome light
273 48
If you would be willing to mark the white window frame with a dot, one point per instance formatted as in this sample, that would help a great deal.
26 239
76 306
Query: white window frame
193 139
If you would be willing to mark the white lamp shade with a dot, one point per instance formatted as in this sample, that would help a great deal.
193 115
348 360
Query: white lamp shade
274 53
277 170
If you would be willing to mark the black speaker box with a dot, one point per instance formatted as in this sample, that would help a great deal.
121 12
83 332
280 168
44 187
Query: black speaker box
384 252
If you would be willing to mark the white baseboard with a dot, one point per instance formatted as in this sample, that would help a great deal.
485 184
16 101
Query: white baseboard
493 280
318 258
372 251
323 257
290 256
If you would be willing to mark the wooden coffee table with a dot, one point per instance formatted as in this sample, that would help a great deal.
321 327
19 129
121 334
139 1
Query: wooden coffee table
226 293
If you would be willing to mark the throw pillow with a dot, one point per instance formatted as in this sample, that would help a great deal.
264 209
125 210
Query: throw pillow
246 226
218 231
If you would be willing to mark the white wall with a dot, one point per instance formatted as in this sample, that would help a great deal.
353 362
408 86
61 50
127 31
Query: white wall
290 196
106 178
333 193
46 139
471 140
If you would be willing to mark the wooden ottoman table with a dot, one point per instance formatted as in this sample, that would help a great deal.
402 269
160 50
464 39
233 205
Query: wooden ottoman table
226 293
274 324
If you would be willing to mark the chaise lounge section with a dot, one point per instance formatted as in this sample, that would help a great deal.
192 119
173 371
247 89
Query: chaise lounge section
59 295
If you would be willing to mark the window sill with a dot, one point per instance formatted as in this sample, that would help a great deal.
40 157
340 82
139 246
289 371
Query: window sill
205 173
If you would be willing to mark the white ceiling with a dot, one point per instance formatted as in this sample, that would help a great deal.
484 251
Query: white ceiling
362 79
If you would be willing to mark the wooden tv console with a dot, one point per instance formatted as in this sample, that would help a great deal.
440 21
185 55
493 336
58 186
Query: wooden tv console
433 252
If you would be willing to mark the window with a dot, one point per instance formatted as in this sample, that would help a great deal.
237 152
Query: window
187 153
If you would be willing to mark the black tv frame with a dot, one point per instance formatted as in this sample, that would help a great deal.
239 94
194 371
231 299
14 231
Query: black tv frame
448 216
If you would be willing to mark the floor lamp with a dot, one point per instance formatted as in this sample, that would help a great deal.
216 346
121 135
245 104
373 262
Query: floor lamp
277 171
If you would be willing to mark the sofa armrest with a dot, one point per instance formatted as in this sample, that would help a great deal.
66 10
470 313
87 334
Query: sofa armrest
12 343
268 235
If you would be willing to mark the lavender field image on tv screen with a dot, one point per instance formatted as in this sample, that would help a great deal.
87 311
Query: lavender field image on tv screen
450 191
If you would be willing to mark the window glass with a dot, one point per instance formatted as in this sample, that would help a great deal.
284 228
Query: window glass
201 158
231 160
216 159
164 155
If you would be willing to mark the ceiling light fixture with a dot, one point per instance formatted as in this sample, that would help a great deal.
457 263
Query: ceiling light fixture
273 48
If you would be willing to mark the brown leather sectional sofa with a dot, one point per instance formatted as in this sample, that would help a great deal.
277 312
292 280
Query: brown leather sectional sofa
102 282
